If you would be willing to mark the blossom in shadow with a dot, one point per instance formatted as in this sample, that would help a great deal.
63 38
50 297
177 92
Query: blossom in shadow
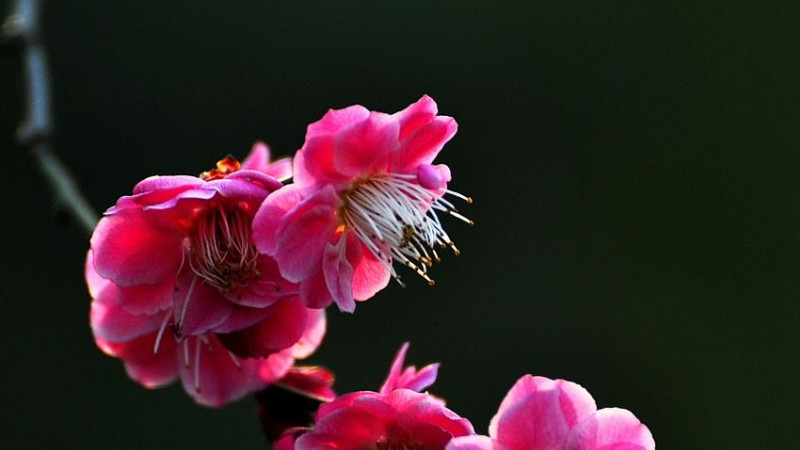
179 288
397 417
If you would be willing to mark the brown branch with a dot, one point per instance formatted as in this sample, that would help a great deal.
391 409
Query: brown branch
22 32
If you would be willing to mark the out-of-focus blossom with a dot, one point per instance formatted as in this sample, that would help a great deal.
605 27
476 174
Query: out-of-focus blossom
365 194
543 414
397 417
179 288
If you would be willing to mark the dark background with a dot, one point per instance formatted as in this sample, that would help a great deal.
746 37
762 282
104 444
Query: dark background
634 167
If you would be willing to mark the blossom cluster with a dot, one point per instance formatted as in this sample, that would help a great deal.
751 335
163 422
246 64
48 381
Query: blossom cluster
537 414
222 281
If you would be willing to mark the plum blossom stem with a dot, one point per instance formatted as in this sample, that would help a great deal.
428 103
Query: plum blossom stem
22 32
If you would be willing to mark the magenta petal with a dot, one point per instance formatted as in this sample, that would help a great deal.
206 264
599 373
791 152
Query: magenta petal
270 217
575 402
361 147
394 371
416 115
313 164
429 177
316 326
370 275
281 169
112 323
611 429
314 290
94 281
214 378
423 146
347 428
422 379
147 298
339 275
258 159
241 317
473 443
166 183
336 119
308 228
280 329
244 186
259 179
135 248
408 378
536 422
142 365
198 308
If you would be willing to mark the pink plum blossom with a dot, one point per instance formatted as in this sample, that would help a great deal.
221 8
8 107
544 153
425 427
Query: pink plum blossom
209 372
397 417
543 414
183 243
176 279
365 194
409 377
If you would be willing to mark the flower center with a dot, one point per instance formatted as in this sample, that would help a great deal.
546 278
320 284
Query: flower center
396 219
224 167
221 251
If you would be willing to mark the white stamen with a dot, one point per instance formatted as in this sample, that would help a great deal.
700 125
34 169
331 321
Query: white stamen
221 250
235 360
185 306
397 220
161 333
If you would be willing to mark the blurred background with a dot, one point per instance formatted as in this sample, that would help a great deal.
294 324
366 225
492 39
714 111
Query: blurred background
634 167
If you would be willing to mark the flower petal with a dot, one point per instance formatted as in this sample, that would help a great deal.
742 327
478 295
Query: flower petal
269 218
423 145
134 247
307 230
316 325
363 147
314 290
214 378
473 443
283 326
370 275
258 159
166 183
575 402
198 308
147 298
339 275
416 115
142 365
336 119
536 422
611 429
112 323
409 378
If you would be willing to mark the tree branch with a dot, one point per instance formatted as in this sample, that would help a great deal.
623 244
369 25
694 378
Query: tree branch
22 32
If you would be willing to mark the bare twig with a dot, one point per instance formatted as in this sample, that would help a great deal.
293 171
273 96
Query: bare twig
21 31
